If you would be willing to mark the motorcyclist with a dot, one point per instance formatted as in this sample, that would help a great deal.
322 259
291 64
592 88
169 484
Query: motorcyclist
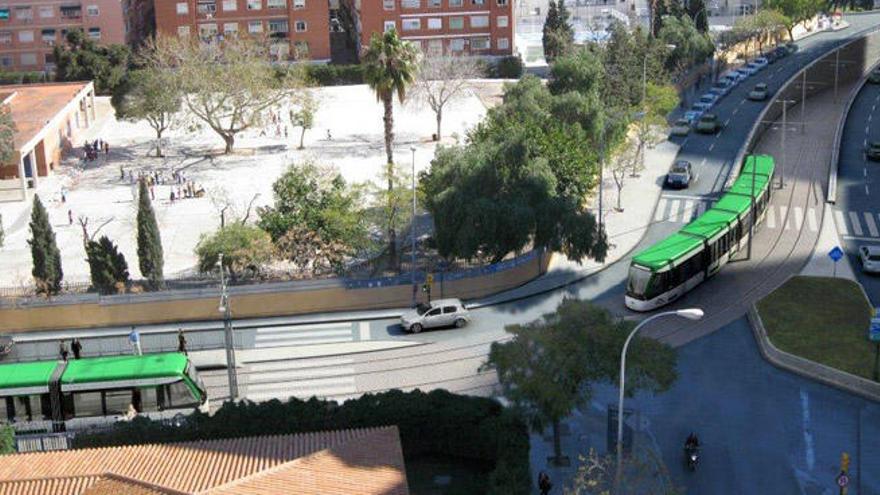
692 442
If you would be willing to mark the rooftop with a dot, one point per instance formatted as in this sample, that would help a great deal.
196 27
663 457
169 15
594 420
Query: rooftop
34 105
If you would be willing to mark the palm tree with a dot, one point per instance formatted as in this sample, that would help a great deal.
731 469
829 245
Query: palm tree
390 67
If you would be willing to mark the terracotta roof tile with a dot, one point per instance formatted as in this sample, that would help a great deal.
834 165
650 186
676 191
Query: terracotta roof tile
35 104
71 485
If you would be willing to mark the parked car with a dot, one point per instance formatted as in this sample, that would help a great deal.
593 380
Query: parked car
772 56
750 68
791 47
872 150
680 175
745 72
438 313
709 100
692 116
700 106
760 62
734 77
874 78
759 92
722 87
870 258
708 124
681 127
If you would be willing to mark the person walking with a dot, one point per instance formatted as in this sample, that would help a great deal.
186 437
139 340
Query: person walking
76 347
70 217
62 349
544 483
181 342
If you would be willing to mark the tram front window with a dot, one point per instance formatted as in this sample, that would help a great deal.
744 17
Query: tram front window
638 281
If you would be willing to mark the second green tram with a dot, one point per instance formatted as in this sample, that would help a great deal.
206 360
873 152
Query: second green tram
665 271
58 395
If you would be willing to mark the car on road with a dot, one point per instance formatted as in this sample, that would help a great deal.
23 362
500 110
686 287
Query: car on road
708 124
874 78
680 175
435 314
872 150
759 92
760 62
870 257
681 127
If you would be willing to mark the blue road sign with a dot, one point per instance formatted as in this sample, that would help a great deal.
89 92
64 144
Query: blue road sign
836 254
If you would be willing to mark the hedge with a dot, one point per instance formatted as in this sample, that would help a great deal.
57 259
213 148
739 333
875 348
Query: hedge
23 77
510 67
437 423
334 75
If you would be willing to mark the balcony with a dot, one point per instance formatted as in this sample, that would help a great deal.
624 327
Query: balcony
279 35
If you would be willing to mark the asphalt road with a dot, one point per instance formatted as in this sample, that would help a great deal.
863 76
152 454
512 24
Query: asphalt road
857 210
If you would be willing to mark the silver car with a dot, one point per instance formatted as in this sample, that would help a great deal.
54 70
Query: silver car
870 256
439 313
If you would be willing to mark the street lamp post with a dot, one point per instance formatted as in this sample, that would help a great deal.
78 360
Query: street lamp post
412 225
690 314
228 334
782 139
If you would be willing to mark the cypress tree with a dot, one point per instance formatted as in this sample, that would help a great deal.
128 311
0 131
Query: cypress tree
551 23
149 242
107 265
697 10
44 251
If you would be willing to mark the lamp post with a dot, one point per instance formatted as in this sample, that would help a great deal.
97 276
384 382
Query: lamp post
690 314
227 332
412 225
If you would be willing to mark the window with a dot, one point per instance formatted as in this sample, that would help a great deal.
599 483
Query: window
449 310
24 13
456 45
26 36
456 23
254 4
50 59
501 21
6 61
48 35
276 4
477 2
411 24
388 4
183 31
480 43
87 404
388 26
46 11
149 400
230 5
278 26
434 3
410 4
503 44
435 46
479 21
433 312
178 395
71 11
207 31
230 28
300 26
455 3
299 4
92 11
4 13
502 3
255 27
117 401
182 8
435 23
206 7
95 33
5 37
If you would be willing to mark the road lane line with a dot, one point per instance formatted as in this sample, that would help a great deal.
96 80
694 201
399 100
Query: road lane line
869 221
867 193
856 225
841 222
809 450
734 111
726 122
811 220
711 146
771 218
798 217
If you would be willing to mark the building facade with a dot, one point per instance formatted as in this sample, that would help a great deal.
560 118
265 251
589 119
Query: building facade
30 29
299 28
451 27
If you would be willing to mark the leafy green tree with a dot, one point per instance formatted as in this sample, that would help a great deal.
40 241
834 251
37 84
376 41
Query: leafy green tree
46 257
149 240
691 46
153 95
304 116
107 265
696 9
796 11
391 66
558 35
245 249
314 199
7 135
549 366
79 58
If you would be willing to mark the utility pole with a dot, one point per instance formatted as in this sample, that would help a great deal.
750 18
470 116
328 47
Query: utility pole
228 334
412 225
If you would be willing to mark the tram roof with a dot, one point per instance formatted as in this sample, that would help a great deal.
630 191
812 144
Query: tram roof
671 248
113 368
735 203
710 223
25 375
763 164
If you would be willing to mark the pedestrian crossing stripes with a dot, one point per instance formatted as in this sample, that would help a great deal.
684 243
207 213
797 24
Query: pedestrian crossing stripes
328 378
296 335
858 224
678 210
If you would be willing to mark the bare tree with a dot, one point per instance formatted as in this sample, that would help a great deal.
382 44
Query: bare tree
627 159
227 206
443 79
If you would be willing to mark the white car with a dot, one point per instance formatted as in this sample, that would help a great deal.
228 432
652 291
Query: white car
734 77
870 256
692 116
438 313
760 62
748 70
709 100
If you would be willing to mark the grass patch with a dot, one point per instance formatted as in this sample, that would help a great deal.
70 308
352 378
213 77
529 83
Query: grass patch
821 319
432 475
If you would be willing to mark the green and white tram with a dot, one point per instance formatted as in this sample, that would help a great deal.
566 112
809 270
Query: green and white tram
55 395
665 271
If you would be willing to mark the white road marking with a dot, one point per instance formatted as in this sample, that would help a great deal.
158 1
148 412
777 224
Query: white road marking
364 330
701 208
734 111
711 146
783 220
771 218
809 451
841 222
680 213
867 193
869 221
726 122
856 225
661 210
870 117
798 217
811 220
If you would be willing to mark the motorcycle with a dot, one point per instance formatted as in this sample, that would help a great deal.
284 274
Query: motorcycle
691 455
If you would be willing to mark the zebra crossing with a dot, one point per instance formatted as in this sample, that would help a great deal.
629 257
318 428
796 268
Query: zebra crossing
327 378
297 335
858 225
684 210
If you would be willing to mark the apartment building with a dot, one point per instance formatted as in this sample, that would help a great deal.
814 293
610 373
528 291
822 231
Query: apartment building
474 27
299 28
29 29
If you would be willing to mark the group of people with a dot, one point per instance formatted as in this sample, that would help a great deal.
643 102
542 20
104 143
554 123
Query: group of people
91 150
75 346
186 188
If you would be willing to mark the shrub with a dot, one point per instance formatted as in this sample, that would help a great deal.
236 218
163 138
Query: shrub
245 248
7 439
334 75
510 67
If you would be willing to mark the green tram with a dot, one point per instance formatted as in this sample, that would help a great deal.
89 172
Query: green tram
665 271
58 395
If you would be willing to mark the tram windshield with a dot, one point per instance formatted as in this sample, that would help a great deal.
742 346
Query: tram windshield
638 280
